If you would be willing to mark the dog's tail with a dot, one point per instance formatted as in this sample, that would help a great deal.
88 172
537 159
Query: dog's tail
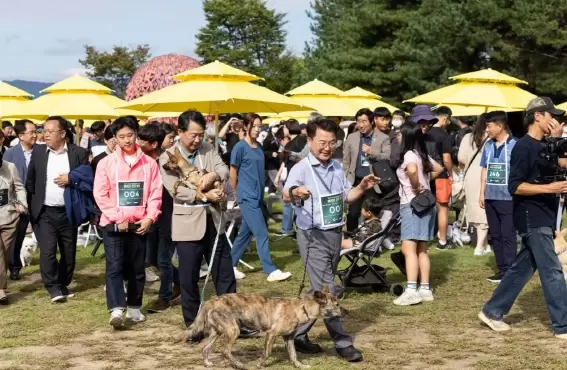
197 327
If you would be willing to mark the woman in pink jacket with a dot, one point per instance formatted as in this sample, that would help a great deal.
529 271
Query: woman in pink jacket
128 190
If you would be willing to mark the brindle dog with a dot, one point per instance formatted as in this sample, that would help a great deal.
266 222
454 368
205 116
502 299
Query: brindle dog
222 315
561 250
190 176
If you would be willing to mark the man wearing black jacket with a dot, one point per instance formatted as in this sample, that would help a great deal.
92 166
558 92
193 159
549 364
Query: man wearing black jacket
535 211
48 175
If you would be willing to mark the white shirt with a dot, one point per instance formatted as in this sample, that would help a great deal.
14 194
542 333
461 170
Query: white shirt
57 164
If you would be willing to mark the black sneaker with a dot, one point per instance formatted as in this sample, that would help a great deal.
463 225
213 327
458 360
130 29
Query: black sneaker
15 276
248 333
304 345
350 354
443 247
496 278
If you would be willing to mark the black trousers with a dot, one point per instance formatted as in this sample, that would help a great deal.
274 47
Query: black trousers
499 214
355 208
55 230
15 261
125 253
190 255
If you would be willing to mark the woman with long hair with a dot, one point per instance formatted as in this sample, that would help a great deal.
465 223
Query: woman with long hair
247 177
470 154
415 174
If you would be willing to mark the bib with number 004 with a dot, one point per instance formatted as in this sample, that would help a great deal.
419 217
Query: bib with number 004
130 193
3 197
331 209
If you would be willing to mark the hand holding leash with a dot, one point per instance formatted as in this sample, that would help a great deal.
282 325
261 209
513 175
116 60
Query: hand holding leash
369 182
302 193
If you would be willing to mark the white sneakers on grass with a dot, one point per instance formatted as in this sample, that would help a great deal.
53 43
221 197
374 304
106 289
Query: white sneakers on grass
496 325
132 314
482 251
414 296
277 275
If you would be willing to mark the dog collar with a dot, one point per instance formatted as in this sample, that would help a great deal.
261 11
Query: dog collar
305 311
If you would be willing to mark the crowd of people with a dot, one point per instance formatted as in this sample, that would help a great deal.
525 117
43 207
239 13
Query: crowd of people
119 177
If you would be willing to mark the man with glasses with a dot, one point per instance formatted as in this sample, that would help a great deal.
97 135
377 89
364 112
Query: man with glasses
318 189
362 148
48 176
20 155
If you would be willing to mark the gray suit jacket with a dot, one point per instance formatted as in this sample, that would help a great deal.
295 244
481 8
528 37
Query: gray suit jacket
189 223
380 149
17 157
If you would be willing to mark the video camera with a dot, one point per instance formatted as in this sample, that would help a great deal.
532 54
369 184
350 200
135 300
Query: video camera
554 148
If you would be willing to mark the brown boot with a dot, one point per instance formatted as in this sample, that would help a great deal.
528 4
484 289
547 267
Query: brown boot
157 306
176 297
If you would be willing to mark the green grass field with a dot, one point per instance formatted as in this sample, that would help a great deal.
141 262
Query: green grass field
444 334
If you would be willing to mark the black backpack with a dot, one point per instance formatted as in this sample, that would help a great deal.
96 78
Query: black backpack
388 179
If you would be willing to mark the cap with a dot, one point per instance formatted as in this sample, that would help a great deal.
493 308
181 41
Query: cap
543 104
422 113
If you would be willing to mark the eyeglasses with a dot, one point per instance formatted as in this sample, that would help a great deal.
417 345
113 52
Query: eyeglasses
31 133
50 132
194 135
329 144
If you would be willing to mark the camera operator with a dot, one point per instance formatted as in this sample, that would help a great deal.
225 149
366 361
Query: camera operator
535 208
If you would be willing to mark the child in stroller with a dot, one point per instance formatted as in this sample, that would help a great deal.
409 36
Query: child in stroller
368 274
370 226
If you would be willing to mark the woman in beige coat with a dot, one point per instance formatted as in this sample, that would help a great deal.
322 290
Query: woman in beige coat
470 145
12 203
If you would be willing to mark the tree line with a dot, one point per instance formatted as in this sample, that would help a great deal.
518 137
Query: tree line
395 48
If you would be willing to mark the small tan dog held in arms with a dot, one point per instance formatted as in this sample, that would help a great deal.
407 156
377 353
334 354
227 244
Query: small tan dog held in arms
190 176
222 315
561 249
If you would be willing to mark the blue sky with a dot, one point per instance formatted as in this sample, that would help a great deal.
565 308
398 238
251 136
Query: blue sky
43 40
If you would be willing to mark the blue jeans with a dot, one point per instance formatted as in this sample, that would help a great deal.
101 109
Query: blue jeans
537 252
287 219
169 274
253 223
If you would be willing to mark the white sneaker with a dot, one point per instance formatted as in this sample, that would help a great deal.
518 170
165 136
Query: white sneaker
388 244
278 275
561 336
496 325
488 250
135 315
426 294
410 297
116 319
239 275
151 276
479 251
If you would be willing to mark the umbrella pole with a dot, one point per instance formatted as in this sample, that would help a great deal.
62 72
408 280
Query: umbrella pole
217 128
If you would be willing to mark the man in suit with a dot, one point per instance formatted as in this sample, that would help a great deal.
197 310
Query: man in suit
20 156
48 175
194 224
361 149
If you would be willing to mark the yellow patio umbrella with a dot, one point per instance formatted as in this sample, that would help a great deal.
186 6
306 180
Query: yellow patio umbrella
360 98
323 98
473 110
562 106
486 88
12 100
215 88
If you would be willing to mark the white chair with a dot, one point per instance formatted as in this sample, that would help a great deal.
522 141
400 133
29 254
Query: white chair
91 232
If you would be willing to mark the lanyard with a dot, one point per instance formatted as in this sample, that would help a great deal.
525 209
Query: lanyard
315 173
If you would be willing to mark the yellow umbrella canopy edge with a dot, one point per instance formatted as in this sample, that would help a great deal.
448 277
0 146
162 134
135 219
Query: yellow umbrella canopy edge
9 91
358 92
488 75
77 83
315 87
216 70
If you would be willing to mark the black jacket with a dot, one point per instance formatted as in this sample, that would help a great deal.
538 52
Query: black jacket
37 174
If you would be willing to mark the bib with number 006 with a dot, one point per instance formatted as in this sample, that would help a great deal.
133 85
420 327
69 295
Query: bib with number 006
3 197
331 208
130 193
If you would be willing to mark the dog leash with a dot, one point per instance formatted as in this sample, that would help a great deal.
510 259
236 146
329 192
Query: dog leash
310 241
211 260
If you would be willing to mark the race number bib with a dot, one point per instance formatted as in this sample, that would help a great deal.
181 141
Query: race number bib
3 197
130 193
496 174
331 209
364 161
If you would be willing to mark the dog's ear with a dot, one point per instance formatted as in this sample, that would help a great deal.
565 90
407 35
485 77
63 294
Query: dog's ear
320 297
169 153
563 232
176 150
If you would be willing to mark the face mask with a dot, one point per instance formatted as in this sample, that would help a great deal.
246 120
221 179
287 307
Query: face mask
397 123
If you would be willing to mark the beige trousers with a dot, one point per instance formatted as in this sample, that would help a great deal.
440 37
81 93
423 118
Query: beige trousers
7 236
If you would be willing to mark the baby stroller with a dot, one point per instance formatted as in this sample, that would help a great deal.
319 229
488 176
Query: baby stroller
366 274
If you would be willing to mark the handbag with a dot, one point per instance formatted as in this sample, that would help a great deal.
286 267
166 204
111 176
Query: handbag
460 194
388 179
423 202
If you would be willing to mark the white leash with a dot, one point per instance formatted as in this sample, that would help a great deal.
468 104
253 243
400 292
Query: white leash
212 260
